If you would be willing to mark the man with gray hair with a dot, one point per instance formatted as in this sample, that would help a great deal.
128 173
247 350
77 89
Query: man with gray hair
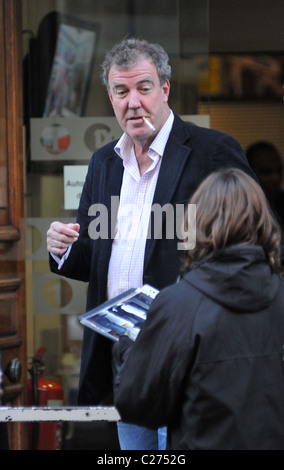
159 160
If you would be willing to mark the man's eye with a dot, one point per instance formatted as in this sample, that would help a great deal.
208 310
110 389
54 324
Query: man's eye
145 89
120 93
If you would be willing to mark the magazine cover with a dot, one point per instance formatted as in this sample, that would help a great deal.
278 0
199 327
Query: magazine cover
122 315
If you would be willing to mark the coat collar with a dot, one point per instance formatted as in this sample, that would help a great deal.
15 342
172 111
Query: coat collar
173 162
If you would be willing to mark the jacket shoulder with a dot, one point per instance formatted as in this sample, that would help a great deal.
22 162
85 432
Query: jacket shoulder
199 133
104 152
174 298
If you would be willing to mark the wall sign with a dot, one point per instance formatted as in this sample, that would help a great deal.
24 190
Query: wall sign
74 178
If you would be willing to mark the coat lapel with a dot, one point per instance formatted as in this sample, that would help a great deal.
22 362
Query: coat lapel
113 173
110 184
173 162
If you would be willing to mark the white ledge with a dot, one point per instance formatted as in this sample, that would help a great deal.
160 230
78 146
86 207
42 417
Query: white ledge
19 414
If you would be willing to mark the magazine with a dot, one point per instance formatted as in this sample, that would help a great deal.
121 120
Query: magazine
123 315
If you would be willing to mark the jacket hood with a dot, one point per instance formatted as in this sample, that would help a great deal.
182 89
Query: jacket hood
240 279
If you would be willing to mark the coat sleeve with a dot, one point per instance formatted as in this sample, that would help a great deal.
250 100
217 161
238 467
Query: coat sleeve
152 378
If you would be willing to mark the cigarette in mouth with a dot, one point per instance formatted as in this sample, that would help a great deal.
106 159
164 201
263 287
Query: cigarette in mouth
148 123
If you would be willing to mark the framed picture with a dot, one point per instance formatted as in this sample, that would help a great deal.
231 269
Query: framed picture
58 67
71 68
246 76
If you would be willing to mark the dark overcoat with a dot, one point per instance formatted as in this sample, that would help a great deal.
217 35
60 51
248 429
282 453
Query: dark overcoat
208 361
191 154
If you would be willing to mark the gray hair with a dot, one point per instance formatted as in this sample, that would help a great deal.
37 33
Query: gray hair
129 52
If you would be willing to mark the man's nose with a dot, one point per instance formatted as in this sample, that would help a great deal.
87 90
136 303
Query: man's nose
134 100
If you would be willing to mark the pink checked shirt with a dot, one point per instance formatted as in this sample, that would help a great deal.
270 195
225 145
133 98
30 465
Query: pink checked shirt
136 196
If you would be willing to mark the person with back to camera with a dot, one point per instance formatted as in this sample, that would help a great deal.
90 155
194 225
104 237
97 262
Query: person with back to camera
145 167
215 339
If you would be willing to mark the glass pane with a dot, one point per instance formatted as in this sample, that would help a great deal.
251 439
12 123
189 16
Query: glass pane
68 116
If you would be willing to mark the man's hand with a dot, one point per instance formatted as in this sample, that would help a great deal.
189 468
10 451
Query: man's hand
60 236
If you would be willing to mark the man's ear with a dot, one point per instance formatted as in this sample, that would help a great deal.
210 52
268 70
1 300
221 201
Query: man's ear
166 89
110 97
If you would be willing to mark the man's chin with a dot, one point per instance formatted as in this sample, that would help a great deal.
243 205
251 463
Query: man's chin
140 135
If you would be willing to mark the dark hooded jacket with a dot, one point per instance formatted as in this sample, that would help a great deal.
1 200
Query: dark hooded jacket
209 360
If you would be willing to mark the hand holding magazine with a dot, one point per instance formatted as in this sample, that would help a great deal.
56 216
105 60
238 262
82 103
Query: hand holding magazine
123 315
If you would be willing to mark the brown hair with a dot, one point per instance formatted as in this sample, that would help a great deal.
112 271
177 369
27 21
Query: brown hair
231 209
